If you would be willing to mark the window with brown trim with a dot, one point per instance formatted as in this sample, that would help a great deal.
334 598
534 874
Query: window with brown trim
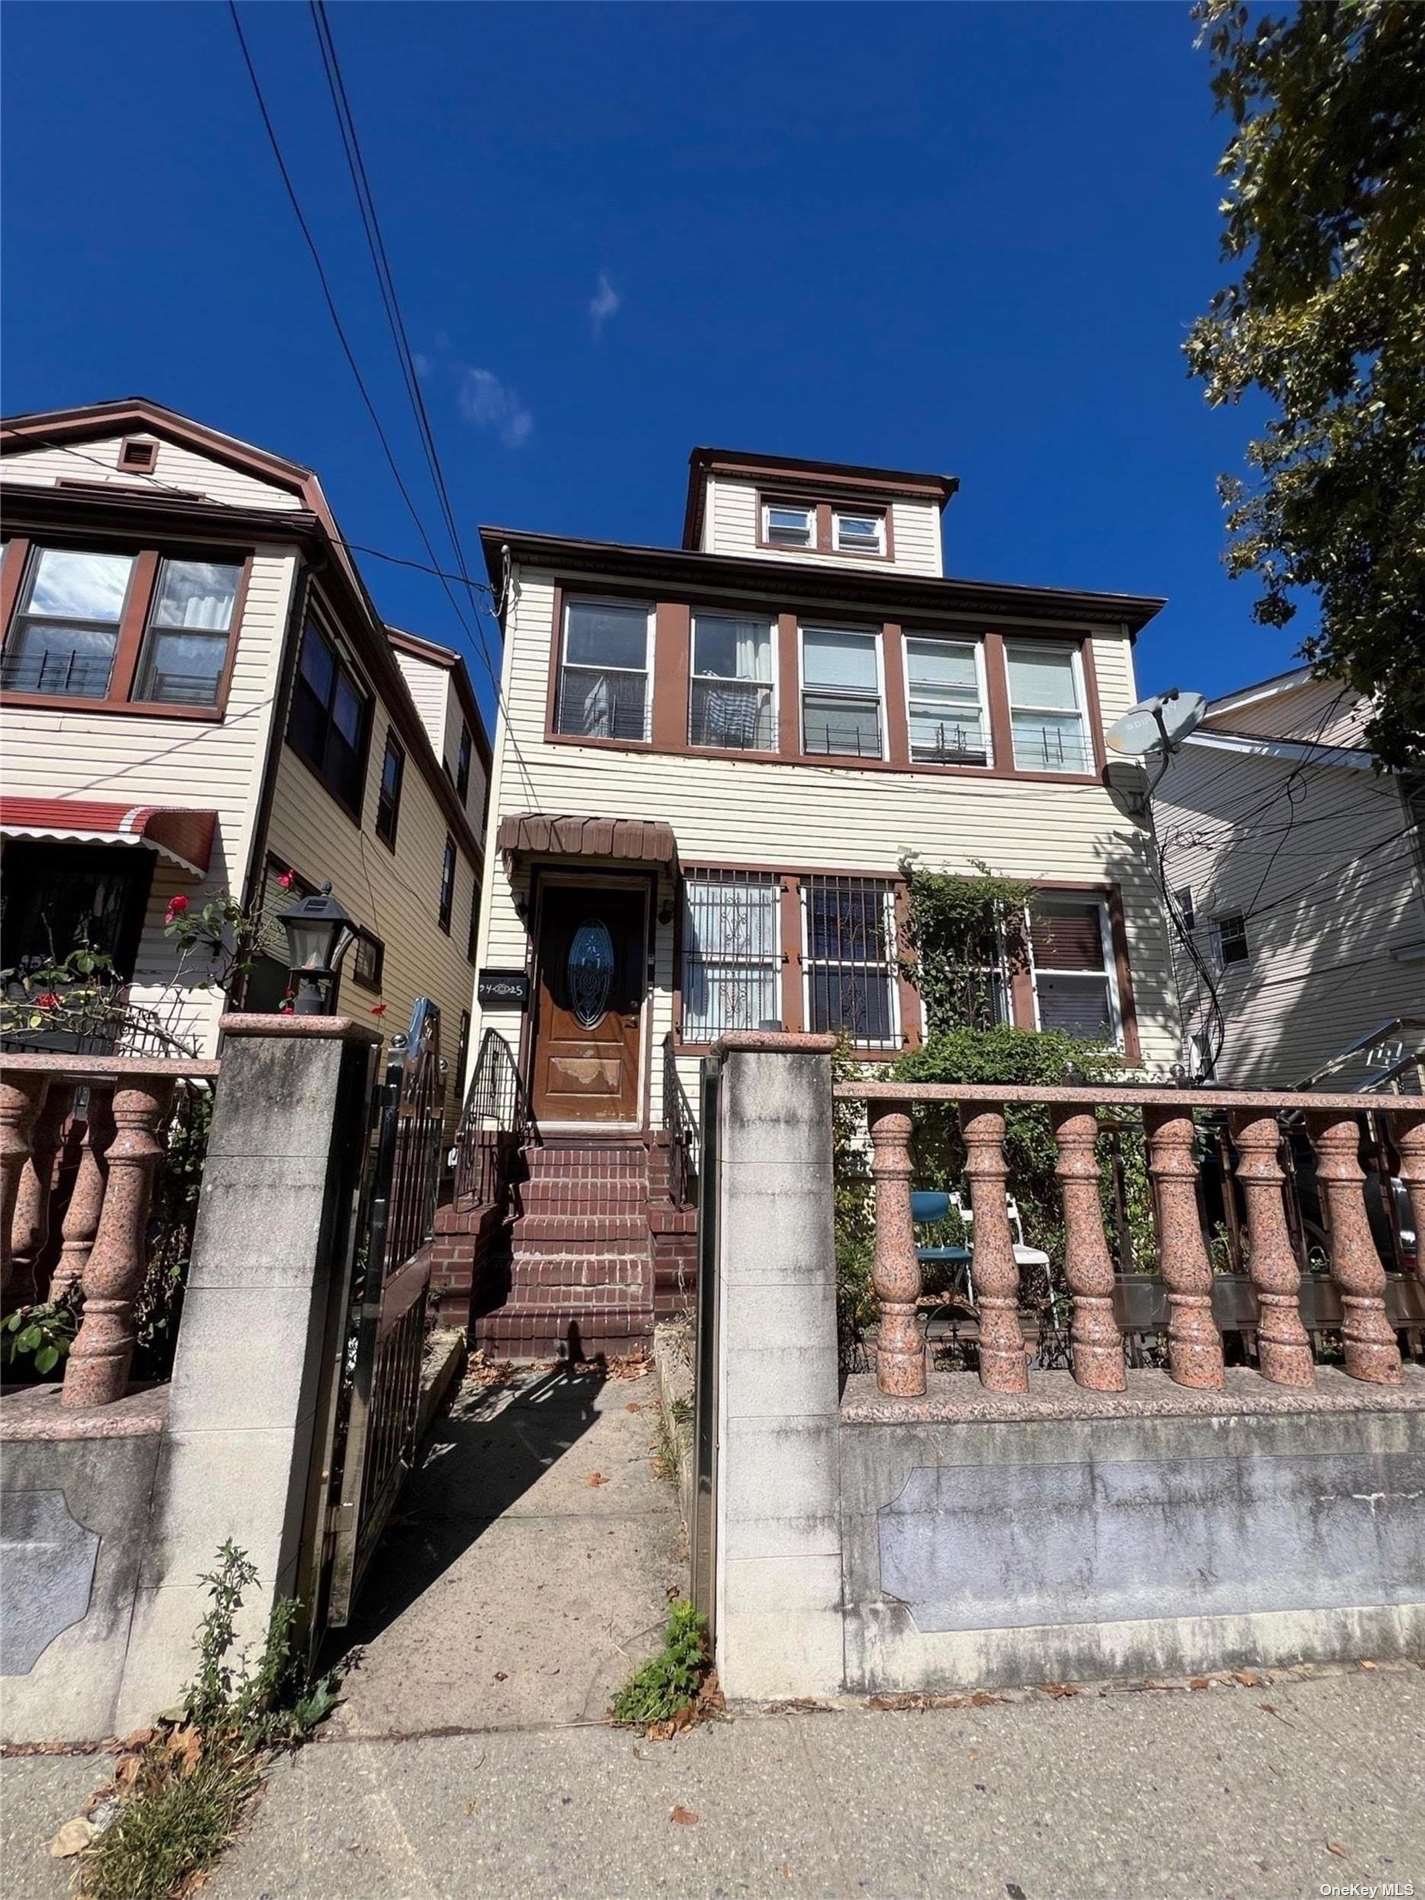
732 698
841 693
1072 967
606 672
138 456
111 627
1046 707
849 959
447 885
368 960
388 797
330 719
798 525
189 625
732 961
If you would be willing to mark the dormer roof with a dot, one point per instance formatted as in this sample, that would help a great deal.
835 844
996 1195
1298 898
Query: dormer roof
829 480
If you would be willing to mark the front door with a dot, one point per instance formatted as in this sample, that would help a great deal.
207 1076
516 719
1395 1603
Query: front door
591 987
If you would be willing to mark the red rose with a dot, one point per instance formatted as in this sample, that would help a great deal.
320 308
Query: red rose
378 1009
48 1001
285 881
176 908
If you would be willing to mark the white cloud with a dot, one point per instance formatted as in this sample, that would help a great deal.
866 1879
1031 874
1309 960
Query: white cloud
491 404
422 363
604 303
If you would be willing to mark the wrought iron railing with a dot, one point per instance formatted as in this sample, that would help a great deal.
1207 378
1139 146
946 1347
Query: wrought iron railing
496 1123
681 1127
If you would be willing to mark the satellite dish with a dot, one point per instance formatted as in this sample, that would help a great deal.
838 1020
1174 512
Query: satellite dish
1157 726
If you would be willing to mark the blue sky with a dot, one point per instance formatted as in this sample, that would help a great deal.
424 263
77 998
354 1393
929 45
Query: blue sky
958 237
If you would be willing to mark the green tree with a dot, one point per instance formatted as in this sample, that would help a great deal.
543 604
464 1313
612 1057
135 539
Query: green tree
1325 215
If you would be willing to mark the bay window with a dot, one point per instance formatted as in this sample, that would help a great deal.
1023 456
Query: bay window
731 699
841 693
732 968
604 670
1046 708
65 633
1071 960
946 694
849 959
186 643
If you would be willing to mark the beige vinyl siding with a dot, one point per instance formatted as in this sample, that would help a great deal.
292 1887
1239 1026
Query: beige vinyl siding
395 895
119 756
1325 711
450 751
428 686
729 811
1340 901
730 527
178 467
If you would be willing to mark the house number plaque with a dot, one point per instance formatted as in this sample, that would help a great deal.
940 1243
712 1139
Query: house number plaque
503 989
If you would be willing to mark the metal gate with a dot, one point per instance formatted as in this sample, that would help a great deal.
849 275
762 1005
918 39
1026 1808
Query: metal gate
703 1531
377 1378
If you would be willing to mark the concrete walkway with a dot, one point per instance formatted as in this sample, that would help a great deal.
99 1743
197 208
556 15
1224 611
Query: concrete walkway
1258 1794
530 1566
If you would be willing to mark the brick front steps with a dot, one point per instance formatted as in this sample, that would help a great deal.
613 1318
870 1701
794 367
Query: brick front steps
590 1251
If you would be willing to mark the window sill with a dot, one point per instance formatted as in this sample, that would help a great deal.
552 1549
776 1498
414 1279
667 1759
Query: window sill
610 745
136 708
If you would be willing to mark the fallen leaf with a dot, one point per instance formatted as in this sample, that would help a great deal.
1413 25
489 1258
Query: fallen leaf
140 1738
185 1745
1057 1689
982 1699
684 1816
1199 1682
1247 1678
1366 1665
596 1478
1335 1847
633 1406
127 1771
72 1838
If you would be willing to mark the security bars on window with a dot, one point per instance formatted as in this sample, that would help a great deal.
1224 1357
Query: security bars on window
731 953
849 959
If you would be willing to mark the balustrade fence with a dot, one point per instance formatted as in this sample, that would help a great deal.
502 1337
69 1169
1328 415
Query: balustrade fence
96 1126
496 1125
681 1127
1318 1239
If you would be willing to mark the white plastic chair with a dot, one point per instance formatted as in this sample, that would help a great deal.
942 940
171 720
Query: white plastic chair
1024 1256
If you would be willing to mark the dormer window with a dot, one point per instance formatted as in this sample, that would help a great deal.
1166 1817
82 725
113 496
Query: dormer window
786 526
859 533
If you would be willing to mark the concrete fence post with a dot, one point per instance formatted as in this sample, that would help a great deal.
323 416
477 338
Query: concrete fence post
778 1514
275 1227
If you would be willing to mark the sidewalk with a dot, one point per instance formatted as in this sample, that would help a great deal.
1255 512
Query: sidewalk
1226 1792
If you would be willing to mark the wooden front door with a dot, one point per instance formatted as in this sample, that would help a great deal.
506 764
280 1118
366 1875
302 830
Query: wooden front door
590 1011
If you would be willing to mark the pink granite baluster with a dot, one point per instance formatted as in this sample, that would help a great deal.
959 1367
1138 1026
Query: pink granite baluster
1283 1349
1003 1365
900 1356
1097 1344
1194 1343
29 1227
86 1198
1369 1339
1409 1132
21 1094
97 1372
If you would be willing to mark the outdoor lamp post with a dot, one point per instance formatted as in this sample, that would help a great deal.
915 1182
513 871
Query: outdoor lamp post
319 934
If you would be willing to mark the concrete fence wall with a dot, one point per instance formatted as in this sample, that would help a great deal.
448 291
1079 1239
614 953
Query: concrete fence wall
967 1537
111 1513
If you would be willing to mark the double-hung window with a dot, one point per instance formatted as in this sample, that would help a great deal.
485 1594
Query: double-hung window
945 685
732 699
1071 954
849 959
447 885
863 533
329 719
186 642
732 966
1229 938
66 633
604 671
787 525
462 763
841 693
388 798
1046 708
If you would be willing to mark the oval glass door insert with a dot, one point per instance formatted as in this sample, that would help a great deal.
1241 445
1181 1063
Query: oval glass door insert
591 972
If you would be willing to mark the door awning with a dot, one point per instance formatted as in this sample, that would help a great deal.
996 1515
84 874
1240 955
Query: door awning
182 834
543 834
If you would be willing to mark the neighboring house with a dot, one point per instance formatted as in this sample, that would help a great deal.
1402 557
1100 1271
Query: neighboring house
197 694
1296 868
710 762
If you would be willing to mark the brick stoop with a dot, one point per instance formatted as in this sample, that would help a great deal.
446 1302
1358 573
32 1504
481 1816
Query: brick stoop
584 1266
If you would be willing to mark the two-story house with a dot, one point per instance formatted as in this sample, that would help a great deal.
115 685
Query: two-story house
711 761
197 695
1298 877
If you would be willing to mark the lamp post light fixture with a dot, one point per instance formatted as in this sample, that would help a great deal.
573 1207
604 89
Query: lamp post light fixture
319 934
